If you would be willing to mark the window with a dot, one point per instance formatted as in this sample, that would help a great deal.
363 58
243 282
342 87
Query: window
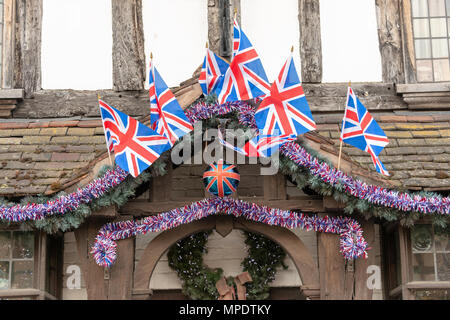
431 30
431 254
16 259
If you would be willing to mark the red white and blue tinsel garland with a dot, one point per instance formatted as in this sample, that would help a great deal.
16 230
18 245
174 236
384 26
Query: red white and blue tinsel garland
371 193
352 242
65 203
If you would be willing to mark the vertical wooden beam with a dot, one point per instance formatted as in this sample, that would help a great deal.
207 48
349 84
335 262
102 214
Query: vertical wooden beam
275 187
362 291
220 25
331 267
390 40
128 45
405 261
310 40
409 58
96 284
27 73
121 275
9 15
161 187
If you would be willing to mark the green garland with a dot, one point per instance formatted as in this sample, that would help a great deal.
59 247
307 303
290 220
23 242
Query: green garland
199 281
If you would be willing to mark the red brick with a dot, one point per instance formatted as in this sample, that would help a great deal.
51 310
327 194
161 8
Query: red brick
393 119
90 123
70 123
13 125
441 117
65 156
420 119
38 125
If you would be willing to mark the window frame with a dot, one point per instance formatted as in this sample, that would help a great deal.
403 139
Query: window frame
47 269
408 41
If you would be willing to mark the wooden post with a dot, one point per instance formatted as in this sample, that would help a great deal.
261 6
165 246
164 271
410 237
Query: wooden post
27 69
106 139
310 40
390 40
220 25
9 21
128 45
121 273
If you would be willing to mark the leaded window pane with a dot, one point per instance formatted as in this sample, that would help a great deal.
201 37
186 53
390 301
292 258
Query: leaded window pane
419 8
421 28
423 49
441 70
23 245
424 70
437 8
4 275
438 27
5 245
22 274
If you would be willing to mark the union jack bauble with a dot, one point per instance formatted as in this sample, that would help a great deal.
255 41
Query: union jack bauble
221 179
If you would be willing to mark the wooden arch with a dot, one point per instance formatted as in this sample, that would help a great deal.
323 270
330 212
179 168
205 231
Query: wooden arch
291 244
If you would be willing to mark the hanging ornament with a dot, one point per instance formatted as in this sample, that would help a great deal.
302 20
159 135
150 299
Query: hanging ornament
221 179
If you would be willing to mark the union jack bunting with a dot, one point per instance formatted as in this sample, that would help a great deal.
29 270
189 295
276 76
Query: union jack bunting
245 78
166 116
360 130
135 145
285 108
213 68
266 145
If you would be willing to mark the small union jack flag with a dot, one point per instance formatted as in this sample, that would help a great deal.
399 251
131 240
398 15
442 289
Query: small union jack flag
245 78
285 108
229 145
167 118
214 67
266 145
220 179
360 130
135 145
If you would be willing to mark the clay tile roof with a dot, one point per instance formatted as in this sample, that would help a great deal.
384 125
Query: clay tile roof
418 155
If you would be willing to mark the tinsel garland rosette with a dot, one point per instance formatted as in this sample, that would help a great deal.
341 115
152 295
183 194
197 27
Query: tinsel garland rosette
65 203
352 242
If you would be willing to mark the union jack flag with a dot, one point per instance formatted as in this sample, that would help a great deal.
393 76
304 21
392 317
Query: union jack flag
245 78
266 145
135 145
285 108
360 130
213 68
166 116
229 145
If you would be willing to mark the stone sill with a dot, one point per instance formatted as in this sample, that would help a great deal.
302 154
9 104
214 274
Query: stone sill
8 101
426 95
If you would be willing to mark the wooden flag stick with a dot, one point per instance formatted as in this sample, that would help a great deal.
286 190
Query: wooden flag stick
235 13
106 140
341 137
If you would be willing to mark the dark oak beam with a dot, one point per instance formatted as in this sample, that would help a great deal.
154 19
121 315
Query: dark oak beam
324 97
27 69
310 40
144 208
128 45
390 40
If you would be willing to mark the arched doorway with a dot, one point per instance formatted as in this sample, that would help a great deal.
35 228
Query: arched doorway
291 244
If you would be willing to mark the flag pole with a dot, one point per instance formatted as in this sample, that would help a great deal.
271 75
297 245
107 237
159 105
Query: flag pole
340 146
235 13
106 140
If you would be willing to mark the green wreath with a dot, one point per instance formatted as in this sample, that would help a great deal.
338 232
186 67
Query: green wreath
199 282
